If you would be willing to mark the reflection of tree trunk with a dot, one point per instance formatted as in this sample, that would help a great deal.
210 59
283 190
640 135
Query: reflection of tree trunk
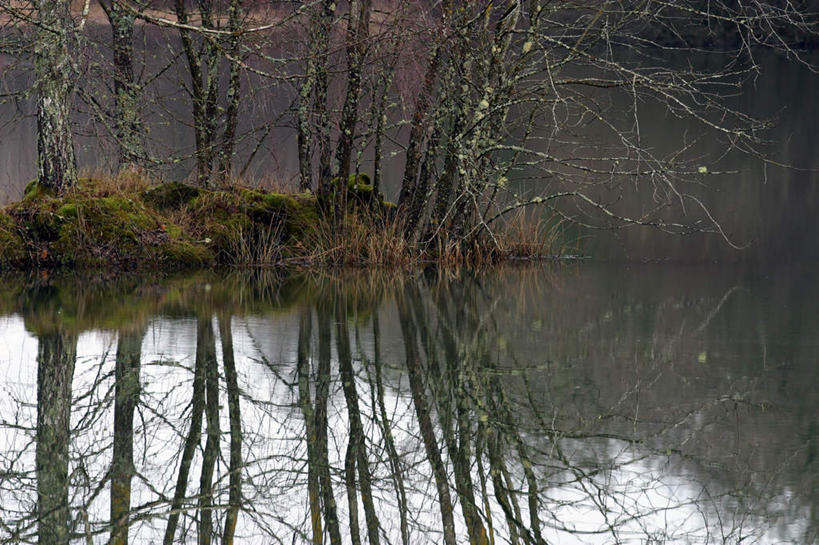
480 442
235 418
358 455
377 390
322 395
497 470
55 372
129 353
452 396
352 496
207 353
303 367
192 440
422 411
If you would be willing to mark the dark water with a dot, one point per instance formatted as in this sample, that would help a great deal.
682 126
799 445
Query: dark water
589 404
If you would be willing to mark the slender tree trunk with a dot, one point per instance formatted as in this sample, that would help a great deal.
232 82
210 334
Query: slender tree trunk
306 91
126 398
323 27
357 34
55 371
408 199
56 164
234 91
126 90
235 418
203 66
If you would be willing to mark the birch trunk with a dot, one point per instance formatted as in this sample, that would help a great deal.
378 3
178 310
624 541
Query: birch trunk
56 164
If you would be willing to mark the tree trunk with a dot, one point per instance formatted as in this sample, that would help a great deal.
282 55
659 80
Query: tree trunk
234 91
357 33
126 90
56 165
323 30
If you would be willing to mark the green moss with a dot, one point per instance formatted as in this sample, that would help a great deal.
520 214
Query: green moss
170 195
102 223
12 247
68 210
34 191
179 254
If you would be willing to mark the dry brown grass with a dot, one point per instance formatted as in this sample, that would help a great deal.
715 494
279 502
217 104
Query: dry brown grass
365 239
525 237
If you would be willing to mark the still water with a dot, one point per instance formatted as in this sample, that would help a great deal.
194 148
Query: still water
575 404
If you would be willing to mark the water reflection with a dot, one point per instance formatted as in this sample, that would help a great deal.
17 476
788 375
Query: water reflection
524 406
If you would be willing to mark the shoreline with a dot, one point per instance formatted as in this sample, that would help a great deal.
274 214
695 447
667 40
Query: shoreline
128 224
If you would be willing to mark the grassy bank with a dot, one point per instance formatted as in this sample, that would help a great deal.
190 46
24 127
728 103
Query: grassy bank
127 223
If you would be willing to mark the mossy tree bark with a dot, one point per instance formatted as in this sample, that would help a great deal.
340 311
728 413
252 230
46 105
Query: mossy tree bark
358 24
126 90
55 371
56 164
323 27
126 397
204 48
234 90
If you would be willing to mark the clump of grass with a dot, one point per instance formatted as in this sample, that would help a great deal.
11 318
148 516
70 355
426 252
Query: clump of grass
254 245
365 239
525 237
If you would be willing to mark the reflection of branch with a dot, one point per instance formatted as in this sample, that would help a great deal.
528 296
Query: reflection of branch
717 308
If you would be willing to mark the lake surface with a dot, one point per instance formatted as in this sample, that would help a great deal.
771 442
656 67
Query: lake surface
572 404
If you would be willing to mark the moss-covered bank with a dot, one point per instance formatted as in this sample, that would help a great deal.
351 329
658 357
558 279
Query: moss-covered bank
115 225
